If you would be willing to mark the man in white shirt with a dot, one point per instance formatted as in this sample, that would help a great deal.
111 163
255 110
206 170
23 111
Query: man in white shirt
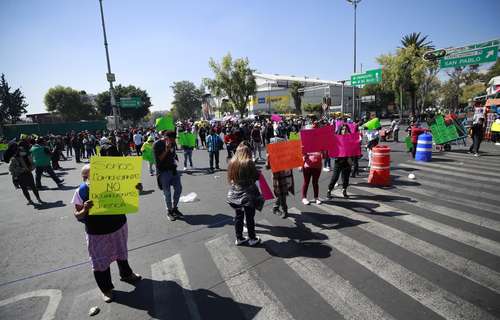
138 140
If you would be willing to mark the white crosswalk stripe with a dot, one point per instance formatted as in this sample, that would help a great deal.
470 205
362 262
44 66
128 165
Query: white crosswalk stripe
245 286
172 269
456 168
457 174
452 213
335 290
422 290
471 158
454 263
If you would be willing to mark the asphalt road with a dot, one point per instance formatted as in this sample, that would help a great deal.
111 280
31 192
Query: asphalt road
427 248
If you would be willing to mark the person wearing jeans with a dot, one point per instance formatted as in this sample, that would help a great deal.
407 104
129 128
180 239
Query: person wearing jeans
244 196
188 156
214 144
311 169
167 174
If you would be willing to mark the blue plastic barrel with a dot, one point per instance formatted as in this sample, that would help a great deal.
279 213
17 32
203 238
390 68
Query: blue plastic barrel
424 147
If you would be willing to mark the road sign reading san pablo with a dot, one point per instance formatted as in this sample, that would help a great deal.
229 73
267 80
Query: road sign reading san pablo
370 76
464 58
133 102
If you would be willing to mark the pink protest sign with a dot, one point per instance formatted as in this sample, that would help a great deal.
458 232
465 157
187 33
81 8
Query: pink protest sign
276 118
267 194
316 140
346 145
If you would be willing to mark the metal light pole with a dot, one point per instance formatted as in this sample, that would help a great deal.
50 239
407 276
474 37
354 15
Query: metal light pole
342 98
355 4
110 76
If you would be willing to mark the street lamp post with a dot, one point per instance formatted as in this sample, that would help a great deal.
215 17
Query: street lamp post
355 4
110 76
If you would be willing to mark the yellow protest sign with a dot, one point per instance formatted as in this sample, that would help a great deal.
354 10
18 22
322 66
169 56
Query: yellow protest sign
112 184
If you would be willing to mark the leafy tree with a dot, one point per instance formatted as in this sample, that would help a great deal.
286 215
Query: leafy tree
69 103
452 93
12 104
233 79
226 106
313 108
470 91
187 99
297 95
415 39
135 114
383 96
493 71
282 108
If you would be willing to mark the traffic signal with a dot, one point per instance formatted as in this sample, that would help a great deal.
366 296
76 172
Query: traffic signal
434 55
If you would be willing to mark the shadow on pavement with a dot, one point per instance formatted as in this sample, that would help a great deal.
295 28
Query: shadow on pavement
363 207
381 198
146 192
211 221
166 300
62 188
49 205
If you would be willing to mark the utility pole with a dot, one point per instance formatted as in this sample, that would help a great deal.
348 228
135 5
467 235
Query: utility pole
110 76
342 98
355 4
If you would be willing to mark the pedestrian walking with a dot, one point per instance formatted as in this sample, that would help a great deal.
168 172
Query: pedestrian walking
311 169
41 157
244 196
138 141
256 139
342 167
283 184
20 167
167 174
107 237
477 134
147 154
415 131
214 145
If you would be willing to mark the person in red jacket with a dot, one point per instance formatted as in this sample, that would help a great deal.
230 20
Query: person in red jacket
416 130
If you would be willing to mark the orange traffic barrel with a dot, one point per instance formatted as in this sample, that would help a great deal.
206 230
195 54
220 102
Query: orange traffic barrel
380 170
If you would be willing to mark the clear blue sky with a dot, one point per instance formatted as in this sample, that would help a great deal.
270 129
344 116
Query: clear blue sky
156 42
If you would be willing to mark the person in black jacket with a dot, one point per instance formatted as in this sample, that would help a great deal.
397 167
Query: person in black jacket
477 133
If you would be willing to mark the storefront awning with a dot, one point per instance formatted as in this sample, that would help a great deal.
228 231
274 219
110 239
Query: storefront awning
492 102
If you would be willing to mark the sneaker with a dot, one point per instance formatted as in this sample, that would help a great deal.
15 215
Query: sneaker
285 214
245 230
469 152
170 215
134 277
177 213
107 296
344 193
497 143
329 194
276 210
184 169
239 242
318 201
30 203
305 201
254 242
476 154
326 169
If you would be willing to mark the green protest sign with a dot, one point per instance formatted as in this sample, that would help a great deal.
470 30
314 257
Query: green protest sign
408 143
165 123
3 146
294 136
441 133
187 139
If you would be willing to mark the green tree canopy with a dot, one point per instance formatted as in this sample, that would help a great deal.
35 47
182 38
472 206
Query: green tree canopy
187 99
493 71
135 114
417 40
234 79
70 103
12 103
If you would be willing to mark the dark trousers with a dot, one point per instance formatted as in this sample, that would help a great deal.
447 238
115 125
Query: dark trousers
247 214
414 150
138 149
476 143
103 278
77 154
309 173
395 135
69 151
212 155
345 170
48 169
281 202
355 166
26 182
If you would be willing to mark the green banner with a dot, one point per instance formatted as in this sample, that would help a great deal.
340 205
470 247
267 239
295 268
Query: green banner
294 136
187 139
165 123
441 133
370 76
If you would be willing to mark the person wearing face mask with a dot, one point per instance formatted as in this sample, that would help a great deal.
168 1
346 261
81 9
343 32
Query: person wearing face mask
20 167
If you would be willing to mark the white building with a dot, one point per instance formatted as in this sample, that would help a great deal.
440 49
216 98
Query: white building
273 90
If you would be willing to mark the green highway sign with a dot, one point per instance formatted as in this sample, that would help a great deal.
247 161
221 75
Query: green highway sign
464 58
491 43
133 102
370 76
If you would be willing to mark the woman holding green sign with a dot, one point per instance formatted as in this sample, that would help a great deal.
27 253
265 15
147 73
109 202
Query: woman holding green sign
106 240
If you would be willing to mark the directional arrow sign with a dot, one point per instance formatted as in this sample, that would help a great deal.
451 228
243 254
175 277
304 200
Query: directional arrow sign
370 76
464 58
133 102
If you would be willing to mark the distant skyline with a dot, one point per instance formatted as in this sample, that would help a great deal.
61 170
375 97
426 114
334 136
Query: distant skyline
154 43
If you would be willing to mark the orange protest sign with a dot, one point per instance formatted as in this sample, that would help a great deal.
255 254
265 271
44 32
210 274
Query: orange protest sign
285 155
